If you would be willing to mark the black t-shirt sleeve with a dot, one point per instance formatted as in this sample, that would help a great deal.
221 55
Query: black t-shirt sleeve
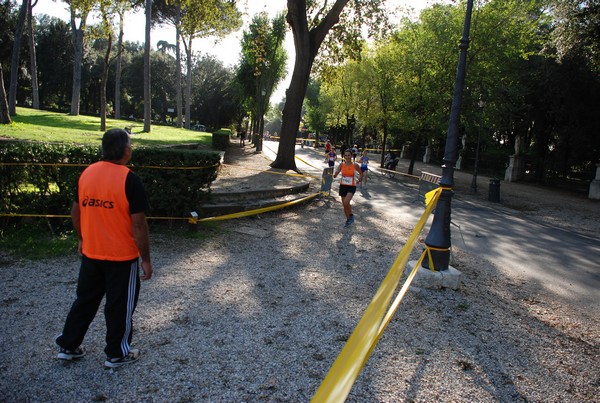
136 194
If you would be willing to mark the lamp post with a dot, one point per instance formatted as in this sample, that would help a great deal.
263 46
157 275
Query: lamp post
438 240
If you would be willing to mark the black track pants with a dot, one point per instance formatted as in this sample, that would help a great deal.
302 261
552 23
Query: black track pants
121 284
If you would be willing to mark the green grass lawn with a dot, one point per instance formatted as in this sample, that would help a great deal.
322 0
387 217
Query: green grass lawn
36 125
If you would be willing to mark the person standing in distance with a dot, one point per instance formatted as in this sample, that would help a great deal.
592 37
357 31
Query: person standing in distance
354 152
109 216
348 169
364 168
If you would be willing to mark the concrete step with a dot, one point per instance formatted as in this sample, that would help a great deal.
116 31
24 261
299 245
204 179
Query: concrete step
258 194
242 204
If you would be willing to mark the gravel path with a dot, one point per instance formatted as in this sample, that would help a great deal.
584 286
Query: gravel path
257 309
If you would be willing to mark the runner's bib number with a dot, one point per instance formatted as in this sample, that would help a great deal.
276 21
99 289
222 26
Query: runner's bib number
347 180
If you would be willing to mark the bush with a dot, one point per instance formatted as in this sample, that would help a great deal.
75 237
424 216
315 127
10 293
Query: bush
220 139
40 178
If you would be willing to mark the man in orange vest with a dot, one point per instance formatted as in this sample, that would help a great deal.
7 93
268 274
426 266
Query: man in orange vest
109 216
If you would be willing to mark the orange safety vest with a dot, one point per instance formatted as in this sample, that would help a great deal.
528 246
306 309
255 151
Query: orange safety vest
348 174
104 213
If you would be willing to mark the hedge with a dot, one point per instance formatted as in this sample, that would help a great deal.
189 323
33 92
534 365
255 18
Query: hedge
220 139
40 178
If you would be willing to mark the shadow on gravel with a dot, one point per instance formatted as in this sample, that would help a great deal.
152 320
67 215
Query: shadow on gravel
258 308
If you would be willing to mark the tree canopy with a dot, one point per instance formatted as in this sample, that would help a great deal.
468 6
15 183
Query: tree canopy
262 67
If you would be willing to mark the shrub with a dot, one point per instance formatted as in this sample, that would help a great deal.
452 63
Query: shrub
220 139
40 178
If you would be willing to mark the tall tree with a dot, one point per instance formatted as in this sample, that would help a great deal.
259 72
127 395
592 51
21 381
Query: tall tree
311 22
54 59
384 77
147 73
4 115
215 96
14 66
121 7
79 12
262 66
202 19
35 95
119 64
107 13
577 30
170 11
317 106
162 87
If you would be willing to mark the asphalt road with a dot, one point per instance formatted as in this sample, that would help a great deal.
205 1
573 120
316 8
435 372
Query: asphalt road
558 262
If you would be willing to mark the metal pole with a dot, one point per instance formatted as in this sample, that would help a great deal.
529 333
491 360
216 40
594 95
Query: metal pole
438 238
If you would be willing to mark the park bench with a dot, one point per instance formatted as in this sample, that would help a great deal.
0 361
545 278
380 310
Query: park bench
427 182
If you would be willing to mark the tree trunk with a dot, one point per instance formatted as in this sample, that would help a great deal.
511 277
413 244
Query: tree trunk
178 68
413 157
307 44
35 94
104 79
16 52
147 94
118 66
385 136
77 38
364 138
291 115
188 86
4 115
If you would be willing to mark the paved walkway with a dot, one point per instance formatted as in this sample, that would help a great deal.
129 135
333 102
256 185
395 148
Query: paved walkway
559 261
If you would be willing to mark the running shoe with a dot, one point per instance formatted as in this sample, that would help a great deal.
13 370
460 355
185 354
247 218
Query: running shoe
133 356
69 355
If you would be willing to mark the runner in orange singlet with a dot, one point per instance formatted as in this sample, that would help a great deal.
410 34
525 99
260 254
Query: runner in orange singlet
348 183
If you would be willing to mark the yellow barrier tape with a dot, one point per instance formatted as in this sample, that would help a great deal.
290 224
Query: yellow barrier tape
256 211
42 164
399 297
430 259
301 160
191 219
35 215
347 366
304 162
428 197
428 250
